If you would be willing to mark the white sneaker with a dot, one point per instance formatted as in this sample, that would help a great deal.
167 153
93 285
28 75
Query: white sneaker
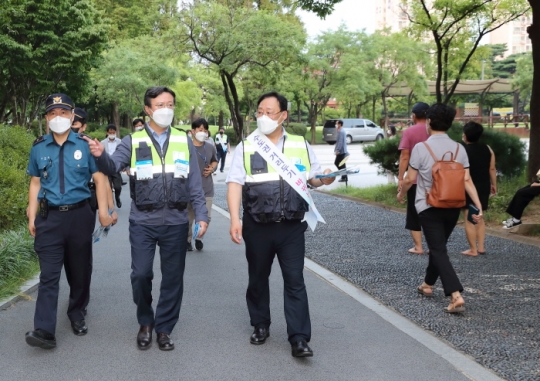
511 224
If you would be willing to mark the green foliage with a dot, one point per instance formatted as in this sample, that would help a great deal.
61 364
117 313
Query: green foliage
320 7
232 135
15 145
508 149
384 194
385 154
47 46
18 260
297 129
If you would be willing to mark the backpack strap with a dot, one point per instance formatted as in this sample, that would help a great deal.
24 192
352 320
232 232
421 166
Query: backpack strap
430 151
457 150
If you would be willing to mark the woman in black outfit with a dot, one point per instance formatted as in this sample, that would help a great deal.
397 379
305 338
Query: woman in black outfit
484 177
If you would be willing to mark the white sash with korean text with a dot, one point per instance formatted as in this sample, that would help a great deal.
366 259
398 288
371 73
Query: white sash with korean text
288 171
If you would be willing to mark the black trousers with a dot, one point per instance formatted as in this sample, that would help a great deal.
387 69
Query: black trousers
412 221
521 199
221 155
172 250
63 239
338 160
116 185
263 242
437 225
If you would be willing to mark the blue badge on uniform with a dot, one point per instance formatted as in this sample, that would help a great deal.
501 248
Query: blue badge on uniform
181 168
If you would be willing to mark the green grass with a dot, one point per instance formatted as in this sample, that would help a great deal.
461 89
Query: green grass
18 260
506 188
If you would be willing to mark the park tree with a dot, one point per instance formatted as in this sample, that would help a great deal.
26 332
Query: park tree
534 142
320 7
457 27
129 68
233 39
47 46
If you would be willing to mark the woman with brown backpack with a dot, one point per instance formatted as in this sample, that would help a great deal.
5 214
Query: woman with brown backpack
441 168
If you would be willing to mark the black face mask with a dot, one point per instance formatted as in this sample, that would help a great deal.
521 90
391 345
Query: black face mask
76 130
221 132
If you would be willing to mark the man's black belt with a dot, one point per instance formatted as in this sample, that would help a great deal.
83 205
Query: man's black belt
65 208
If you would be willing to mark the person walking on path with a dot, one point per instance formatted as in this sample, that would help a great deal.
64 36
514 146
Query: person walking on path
340 149
484 177
110 144
206 154
222 147
272 220
413 135
61 220
438 223
165 176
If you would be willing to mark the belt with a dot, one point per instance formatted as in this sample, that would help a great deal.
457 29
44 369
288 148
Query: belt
65 208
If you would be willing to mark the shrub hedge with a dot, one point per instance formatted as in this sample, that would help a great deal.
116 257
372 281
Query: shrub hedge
15 145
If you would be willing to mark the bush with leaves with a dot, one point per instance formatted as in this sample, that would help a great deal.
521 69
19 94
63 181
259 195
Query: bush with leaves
18 260
299 129
15 145
385 154
508 149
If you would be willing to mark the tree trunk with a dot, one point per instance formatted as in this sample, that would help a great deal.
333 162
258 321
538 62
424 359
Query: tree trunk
230 105
373 109
313 114
236 109
299 110
116 117
220 119
385 110
534 141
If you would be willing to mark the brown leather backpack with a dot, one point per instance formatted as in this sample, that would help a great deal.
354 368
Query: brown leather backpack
448 187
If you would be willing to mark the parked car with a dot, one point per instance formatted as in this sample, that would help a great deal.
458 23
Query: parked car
356 130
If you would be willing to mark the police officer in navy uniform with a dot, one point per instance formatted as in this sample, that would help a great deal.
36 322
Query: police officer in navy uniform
164 177
272 223
79 127
60 218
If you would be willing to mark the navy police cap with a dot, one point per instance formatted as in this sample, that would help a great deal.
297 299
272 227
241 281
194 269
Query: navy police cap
58 101
80 115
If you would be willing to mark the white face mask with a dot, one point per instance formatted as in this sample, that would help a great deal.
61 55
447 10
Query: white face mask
201 136
163 117
59 125
139 128
112 136
267 125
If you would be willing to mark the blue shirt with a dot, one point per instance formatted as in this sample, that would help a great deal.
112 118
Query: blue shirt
64 171
341 142
121 158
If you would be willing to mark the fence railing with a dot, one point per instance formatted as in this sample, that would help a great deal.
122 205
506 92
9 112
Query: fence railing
504 121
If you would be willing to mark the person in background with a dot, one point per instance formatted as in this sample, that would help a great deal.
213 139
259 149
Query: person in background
138 124
110 144
340 149
391 132
438 223
519 202
206 154
222 147
61 220
409 139
484 178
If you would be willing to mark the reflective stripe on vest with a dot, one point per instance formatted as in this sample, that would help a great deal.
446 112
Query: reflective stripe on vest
177 149
295 150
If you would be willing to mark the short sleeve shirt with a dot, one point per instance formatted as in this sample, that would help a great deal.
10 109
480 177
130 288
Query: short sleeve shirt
64 171
412 136
422 161
206 154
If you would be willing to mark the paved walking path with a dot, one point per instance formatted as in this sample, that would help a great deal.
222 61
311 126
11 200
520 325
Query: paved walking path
354 337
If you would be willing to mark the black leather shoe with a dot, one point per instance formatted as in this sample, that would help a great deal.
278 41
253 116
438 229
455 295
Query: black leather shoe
79 327
144 337
198 244
124 182
118 203
189 247
259 335
40 338
301 349
164 342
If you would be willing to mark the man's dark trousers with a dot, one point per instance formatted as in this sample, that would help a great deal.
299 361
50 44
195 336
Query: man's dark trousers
63 237
521 199
263 242
339 159
172 249
221 155
116 184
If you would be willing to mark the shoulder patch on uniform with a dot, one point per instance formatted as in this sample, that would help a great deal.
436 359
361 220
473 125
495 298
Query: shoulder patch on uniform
39 140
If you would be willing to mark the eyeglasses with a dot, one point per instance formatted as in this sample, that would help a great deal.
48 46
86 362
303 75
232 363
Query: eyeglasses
258 114
163 105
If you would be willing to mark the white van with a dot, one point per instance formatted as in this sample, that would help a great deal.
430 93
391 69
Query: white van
356 130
